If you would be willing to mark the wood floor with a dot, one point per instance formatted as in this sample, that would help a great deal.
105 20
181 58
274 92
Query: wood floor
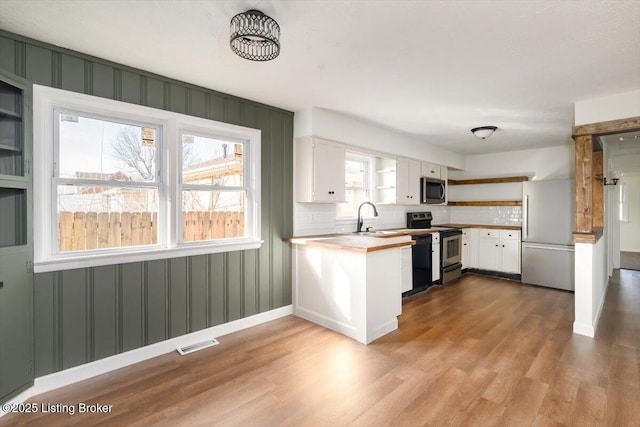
630 260
478 352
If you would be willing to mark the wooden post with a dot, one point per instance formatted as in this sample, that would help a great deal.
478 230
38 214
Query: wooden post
92 231
115 230
103 230
146 228
598 190
65 231
125 229
136 229
584 184
79 231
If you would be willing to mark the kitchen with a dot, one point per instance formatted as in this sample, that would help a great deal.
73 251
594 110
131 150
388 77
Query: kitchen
488 210
96 316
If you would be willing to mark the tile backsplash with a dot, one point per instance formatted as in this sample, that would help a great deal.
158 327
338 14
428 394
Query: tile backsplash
486 215
320 218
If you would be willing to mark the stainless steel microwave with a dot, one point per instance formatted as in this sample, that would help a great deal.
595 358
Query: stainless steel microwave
432 191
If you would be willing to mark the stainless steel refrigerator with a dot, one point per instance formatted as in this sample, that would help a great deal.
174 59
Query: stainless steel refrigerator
547 227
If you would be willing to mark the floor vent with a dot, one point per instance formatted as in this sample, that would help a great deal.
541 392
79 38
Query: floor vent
198 346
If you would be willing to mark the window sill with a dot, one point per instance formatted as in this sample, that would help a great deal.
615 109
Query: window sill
138 255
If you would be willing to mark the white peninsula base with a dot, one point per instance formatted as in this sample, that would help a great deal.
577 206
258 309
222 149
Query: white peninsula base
357 294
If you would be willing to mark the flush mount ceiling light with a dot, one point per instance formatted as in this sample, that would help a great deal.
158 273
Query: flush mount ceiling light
255 36
483 132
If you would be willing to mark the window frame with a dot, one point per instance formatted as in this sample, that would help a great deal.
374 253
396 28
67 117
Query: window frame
369 179
57 180
168 164
246 178
623 203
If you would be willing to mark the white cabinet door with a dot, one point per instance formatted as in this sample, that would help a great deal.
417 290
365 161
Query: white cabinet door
430 170
510 251
488 244
435 262
465 253
510 256
319 169
472 237
407 270
328 172
414 182
402 181
407 181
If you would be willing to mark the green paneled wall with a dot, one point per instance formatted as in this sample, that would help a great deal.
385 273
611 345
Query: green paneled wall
86 314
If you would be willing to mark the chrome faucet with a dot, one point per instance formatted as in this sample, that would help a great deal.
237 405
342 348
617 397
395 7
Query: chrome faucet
375 213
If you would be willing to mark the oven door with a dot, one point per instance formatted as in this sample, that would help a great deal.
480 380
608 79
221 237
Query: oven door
451 250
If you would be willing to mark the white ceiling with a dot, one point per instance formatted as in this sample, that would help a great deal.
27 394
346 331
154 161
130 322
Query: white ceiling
429 68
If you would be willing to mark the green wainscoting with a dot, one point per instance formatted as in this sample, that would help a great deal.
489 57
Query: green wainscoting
83 315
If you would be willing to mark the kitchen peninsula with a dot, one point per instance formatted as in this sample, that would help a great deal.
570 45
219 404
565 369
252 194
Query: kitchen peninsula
351 283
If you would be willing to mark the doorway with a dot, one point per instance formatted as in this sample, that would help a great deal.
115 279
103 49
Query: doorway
623 161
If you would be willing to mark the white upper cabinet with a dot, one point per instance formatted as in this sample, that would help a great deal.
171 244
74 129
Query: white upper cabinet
319 171
430 170
407 181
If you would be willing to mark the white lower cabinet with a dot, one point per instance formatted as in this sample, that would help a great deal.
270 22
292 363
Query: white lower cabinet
510 251
407 270
470 248
499 250
435 257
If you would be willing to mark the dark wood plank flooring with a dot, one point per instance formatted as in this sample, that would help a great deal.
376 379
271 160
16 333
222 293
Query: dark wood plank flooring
478 352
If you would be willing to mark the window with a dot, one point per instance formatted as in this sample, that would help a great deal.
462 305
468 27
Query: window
105 183
623 202
357 185
116 182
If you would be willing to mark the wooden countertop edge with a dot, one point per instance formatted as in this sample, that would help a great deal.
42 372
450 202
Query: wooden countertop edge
491 227
343 244
588 237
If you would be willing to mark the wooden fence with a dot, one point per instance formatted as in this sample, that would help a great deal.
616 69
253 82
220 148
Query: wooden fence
90 230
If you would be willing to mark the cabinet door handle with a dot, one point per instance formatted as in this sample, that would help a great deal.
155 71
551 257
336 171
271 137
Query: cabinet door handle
496 246
503 246
1 284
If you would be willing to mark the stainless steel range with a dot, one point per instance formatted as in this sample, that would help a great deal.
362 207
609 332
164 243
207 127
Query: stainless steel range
450 248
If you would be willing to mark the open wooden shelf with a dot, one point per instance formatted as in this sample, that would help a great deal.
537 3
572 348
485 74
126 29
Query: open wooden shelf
488 180
487 203
9 113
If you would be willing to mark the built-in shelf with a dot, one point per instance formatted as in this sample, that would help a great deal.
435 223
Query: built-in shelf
9 113
488 180
385 187
9 148
386 171
487 203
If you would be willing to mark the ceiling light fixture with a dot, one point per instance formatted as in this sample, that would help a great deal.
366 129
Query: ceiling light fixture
255 36
483 132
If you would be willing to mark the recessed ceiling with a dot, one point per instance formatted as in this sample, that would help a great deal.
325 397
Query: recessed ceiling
434 69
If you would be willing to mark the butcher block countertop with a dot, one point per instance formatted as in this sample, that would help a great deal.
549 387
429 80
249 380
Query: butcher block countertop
362 242
493 227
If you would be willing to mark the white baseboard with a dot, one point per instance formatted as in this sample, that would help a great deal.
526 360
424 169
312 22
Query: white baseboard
98 367
584 329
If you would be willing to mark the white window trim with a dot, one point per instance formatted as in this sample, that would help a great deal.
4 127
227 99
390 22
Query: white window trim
46 99
359 156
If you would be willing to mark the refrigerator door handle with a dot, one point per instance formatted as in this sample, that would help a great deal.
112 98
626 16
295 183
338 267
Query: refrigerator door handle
562 248
525 219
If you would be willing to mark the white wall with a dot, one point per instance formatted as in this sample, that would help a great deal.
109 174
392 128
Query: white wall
349 130
610 107
540 163
591 285
592 260
630 231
